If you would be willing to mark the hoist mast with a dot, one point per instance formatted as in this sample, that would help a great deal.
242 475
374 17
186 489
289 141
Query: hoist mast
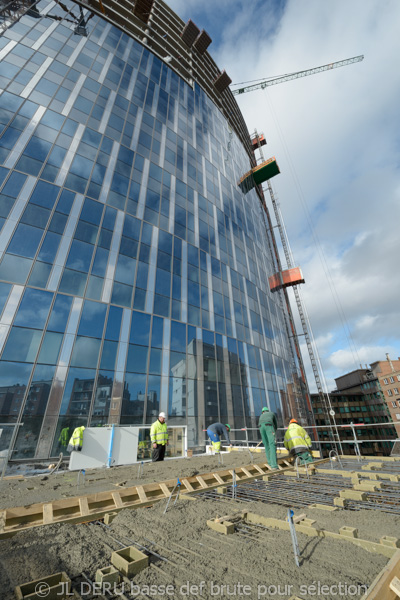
305 323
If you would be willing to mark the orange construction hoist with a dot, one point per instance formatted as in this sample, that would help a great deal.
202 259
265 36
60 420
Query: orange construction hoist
285 279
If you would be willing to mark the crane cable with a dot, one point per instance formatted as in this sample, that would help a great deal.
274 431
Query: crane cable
318 245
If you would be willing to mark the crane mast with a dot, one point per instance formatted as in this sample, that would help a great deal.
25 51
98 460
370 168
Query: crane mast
275 80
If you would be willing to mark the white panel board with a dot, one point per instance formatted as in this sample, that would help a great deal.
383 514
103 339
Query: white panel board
94 453
125 446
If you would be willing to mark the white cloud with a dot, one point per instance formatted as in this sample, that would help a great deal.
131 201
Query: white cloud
368 354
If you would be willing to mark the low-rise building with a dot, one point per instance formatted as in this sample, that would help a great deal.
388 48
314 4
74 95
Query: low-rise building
357 400
388 374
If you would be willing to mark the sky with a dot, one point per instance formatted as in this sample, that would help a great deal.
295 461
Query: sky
336 138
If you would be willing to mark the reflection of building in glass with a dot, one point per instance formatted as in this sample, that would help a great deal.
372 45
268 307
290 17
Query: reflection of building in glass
11 399
102 400
81 397
37 398
133 270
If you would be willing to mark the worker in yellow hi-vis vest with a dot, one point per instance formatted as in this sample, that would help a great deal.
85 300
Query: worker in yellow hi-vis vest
298 442
159 437
76 441
64 437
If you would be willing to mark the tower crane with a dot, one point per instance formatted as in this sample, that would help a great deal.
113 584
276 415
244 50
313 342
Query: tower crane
260 85
257 142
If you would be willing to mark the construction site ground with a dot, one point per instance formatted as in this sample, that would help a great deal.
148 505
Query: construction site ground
43 488
187 558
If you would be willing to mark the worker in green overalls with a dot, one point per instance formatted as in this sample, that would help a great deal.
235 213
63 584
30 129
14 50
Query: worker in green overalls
268 426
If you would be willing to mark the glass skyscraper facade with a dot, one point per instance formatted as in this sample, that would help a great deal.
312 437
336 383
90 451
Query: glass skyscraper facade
133 270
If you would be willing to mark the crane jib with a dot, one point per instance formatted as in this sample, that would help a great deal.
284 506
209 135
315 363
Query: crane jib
275 80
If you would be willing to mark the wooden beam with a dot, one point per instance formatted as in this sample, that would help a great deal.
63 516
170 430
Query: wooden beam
201 482
47 514
117 499
84 506
142 493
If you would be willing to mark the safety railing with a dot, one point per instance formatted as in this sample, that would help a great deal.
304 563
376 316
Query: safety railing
6 452
356 441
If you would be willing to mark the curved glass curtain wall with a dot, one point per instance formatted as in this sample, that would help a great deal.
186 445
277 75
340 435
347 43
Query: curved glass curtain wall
134 273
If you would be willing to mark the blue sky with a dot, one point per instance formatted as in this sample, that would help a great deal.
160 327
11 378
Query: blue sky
336 139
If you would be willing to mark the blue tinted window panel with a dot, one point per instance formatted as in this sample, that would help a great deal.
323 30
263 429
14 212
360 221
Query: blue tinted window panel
113 323
73 282
15 269
60 313
92 319
157 332
22 345
34 309
140 328
80 256
25 241
85 352
109 354
50 348
137 359
122 294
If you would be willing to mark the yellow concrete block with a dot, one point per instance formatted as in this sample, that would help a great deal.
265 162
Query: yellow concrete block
323 507
307 522
349 531
225 527
353 495
340 502
392 542
109 517
129 561
364 486
56 586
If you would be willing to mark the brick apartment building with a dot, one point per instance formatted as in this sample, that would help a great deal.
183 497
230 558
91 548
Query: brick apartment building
388 374
358 399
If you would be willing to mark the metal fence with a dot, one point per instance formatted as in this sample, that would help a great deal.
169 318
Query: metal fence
335 441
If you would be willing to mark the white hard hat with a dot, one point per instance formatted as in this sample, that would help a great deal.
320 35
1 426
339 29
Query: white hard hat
163 415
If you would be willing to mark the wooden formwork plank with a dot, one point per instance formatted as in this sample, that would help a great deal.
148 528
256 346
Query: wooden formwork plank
395 586
201 482
218 478
165 490
84 506
259 469
142 493
380 588
117 499
246 472
95 506
47 514
187 485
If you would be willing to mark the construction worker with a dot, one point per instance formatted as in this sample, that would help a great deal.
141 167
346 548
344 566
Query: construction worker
142 449
215 431
64 437
298 442
268 426
159 437
76 441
